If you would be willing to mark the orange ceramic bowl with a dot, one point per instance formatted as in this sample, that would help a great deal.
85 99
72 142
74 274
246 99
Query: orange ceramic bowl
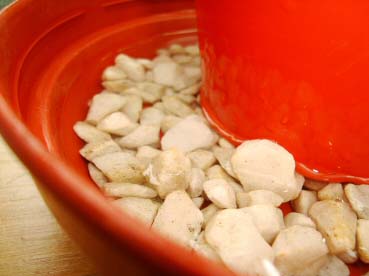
52 54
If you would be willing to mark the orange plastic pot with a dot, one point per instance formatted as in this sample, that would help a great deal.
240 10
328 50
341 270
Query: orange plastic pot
52 54
296 72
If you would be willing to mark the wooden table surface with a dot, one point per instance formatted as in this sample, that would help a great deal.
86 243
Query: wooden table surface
31 241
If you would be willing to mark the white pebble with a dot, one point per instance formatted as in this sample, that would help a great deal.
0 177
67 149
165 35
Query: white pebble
162 57
242 199
202 159
89 133
168 122
237 241
169 92
147 63
225 144
358 196
198 201
223 155
147 97
267 219
293 218
149 76
349 256
237 188
334 267
216 172
196 61
299 182
203 248
151 92
146 154
179 219
96 175
304 201
191 90
132 152
134 70
188 99
103 104
133 108
141 208
192 50
363 240
176 49
220 193
314 267
337 223
113 73
119 86
264 165
169 171
199 112
160 106
128 190
151 116
117 123
314 185
95 149
171 74
120 167
144 135
195 187
188 135
176 107
296 248
182 59
208 212
333 191
264 197
193 73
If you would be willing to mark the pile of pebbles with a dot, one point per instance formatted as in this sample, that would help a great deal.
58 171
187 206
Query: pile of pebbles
150 148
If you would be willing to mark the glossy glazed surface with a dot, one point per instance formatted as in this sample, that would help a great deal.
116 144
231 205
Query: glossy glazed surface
49 71
295 72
